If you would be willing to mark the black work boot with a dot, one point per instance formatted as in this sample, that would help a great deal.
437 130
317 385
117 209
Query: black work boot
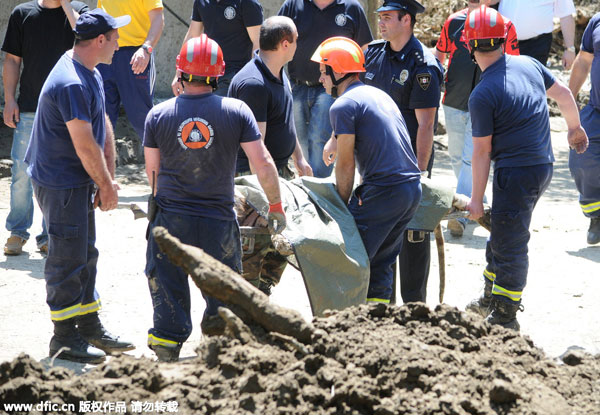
212 325
166 354
265 286
481 305
93 331
504 313
593 235
68 344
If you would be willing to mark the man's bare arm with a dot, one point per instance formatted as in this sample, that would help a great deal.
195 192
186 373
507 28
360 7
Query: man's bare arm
581 70
10 78
152 157
345 166
254 34
93 161
109 148
262 162
426 120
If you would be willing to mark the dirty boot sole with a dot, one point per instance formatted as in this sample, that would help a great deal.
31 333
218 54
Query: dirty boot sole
111 347
66 354
477 307
456 227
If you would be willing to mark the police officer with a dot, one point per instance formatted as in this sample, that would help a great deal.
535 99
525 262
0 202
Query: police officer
406 69
369 134
234 25
316 21
511 126
191 145
585 168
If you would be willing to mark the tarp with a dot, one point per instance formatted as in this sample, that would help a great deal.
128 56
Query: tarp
328 249
436 201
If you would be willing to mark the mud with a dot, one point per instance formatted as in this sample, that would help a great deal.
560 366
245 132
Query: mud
374 359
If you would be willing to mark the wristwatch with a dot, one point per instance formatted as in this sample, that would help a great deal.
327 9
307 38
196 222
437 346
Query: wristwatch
148 48
571 49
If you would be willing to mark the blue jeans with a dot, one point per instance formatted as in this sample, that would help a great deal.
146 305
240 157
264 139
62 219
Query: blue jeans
311 117
168 283
20 217
460 147
70 270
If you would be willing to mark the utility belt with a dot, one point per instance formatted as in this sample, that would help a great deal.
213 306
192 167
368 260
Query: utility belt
306 83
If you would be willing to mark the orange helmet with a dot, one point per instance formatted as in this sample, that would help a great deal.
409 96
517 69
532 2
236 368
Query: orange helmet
342 54
201 56
483 27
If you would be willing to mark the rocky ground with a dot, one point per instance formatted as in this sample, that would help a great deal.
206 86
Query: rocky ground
364 360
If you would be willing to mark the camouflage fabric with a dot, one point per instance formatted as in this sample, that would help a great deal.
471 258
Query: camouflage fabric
264 263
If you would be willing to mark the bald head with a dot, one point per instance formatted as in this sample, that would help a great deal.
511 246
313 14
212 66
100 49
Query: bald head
275 30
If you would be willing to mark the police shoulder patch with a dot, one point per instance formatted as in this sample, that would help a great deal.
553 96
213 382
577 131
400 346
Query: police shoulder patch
424 80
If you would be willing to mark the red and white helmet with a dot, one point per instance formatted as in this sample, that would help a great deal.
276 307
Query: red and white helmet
485 28
201 56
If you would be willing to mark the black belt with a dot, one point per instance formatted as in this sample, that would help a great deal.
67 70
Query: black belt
306 83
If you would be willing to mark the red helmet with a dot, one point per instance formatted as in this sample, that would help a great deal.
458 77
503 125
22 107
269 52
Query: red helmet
201 56
484 23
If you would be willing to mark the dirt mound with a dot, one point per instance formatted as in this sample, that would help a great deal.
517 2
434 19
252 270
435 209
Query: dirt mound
365 360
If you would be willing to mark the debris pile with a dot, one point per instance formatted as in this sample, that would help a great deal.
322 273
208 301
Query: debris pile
374 359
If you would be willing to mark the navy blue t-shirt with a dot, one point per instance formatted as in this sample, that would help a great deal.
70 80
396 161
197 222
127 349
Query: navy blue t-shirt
70 92
198 137
509 103
341 18
591 43
382 148
270 99
412 77
225 21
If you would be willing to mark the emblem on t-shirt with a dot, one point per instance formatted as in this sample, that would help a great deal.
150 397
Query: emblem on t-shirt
403 76
424 80
229 13
340 19
195 133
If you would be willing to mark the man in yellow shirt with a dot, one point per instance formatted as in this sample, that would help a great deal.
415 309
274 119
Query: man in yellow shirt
129 79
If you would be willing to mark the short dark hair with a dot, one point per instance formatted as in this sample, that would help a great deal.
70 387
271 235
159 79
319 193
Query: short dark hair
413 19
273 31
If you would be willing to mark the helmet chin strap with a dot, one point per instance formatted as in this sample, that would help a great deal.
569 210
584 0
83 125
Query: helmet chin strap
334 89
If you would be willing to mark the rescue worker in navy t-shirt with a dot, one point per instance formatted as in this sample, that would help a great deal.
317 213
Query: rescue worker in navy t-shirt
511 127
234 25
370 135
191 145
405 68
585 168
264 86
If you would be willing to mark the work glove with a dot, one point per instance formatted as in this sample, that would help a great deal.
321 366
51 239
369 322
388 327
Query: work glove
276 218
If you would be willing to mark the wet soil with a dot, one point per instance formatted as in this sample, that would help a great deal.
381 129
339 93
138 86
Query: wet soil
372 359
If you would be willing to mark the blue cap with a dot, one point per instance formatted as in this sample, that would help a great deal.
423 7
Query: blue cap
410 6
97 22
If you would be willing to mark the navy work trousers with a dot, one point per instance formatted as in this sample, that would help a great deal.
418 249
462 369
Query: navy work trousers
585 167
381 214
516 190
121 85
70 269
168 283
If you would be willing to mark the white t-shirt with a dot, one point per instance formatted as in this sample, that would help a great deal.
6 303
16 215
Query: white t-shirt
535 17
